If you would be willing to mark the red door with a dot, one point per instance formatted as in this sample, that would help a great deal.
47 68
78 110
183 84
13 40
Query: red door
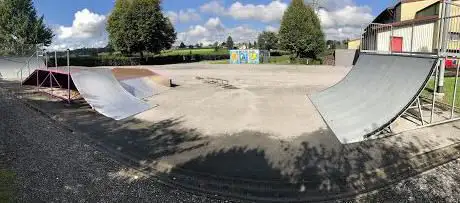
396 44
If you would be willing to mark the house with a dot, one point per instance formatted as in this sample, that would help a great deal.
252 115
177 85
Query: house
411 26
354 43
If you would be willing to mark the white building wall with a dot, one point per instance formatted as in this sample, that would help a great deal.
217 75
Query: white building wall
423 38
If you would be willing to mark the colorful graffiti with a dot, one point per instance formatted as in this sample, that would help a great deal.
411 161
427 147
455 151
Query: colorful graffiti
244 56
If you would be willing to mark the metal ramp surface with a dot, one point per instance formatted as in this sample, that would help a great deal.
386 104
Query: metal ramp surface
377 90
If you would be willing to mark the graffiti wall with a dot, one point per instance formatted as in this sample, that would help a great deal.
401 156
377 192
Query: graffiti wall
245 56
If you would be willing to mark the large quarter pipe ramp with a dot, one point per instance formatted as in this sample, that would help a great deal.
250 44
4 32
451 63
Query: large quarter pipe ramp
377 90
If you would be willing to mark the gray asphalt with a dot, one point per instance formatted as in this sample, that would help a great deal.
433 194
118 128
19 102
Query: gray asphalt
54 165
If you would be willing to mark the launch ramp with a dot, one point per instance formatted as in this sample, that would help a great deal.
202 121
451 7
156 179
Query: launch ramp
378 89
98 86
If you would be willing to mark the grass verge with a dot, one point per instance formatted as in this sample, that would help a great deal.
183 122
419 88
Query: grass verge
7 188
449 85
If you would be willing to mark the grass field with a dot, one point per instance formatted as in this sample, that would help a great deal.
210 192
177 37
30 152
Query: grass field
204 51
6 186
449 84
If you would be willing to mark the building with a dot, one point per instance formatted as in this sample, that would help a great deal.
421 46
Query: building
354 43
410 26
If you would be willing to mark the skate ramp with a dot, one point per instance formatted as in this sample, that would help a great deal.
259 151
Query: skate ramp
141 82
377 90
346 57
105 94
10 67
139 87
97 86
131 73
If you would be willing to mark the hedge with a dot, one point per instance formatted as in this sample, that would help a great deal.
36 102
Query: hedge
92 61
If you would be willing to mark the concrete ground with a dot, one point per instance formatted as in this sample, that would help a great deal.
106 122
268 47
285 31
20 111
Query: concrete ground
262 139
268 99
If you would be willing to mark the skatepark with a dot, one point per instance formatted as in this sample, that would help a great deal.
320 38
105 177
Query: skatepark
256 136
245 132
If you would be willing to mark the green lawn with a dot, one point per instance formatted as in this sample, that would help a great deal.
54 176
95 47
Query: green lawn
449 83
7 188
204 51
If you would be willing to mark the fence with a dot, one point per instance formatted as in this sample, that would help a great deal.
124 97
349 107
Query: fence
435 32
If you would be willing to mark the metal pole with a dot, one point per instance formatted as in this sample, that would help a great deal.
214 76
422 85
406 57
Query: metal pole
55 60
412 38
419 104
68 75
446 9
455 91
434 92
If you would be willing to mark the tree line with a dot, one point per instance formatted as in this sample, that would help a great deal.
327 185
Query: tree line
138 26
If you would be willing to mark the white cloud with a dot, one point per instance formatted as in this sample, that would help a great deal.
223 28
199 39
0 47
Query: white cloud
85 25
271 28
183 16
340 19
214 23
347 16
266 13
208 34
346 22
87 30
212 7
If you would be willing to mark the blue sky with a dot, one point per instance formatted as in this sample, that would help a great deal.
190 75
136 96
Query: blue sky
81 23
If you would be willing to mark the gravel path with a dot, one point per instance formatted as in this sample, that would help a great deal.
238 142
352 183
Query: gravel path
54 165
441 184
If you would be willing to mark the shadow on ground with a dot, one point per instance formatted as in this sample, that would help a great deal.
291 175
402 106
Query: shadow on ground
248 164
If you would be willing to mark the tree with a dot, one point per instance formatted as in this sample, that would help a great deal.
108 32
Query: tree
267 40
138 26
249 45
230 42
255 45
216 46
182 45
300 31
223 44
190 46
20 25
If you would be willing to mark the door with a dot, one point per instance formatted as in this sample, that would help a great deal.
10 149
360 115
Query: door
396 44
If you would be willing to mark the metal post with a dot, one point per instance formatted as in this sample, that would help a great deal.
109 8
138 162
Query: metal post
419 104
68 75
455 91
412 38
55 60
391 38
45 54
445 29
434 92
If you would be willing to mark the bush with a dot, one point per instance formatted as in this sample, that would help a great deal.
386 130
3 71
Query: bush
306 61
279 53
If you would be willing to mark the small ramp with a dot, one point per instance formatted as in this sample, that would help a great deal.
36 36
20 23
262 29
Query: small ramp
100 89
377 90
141 82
